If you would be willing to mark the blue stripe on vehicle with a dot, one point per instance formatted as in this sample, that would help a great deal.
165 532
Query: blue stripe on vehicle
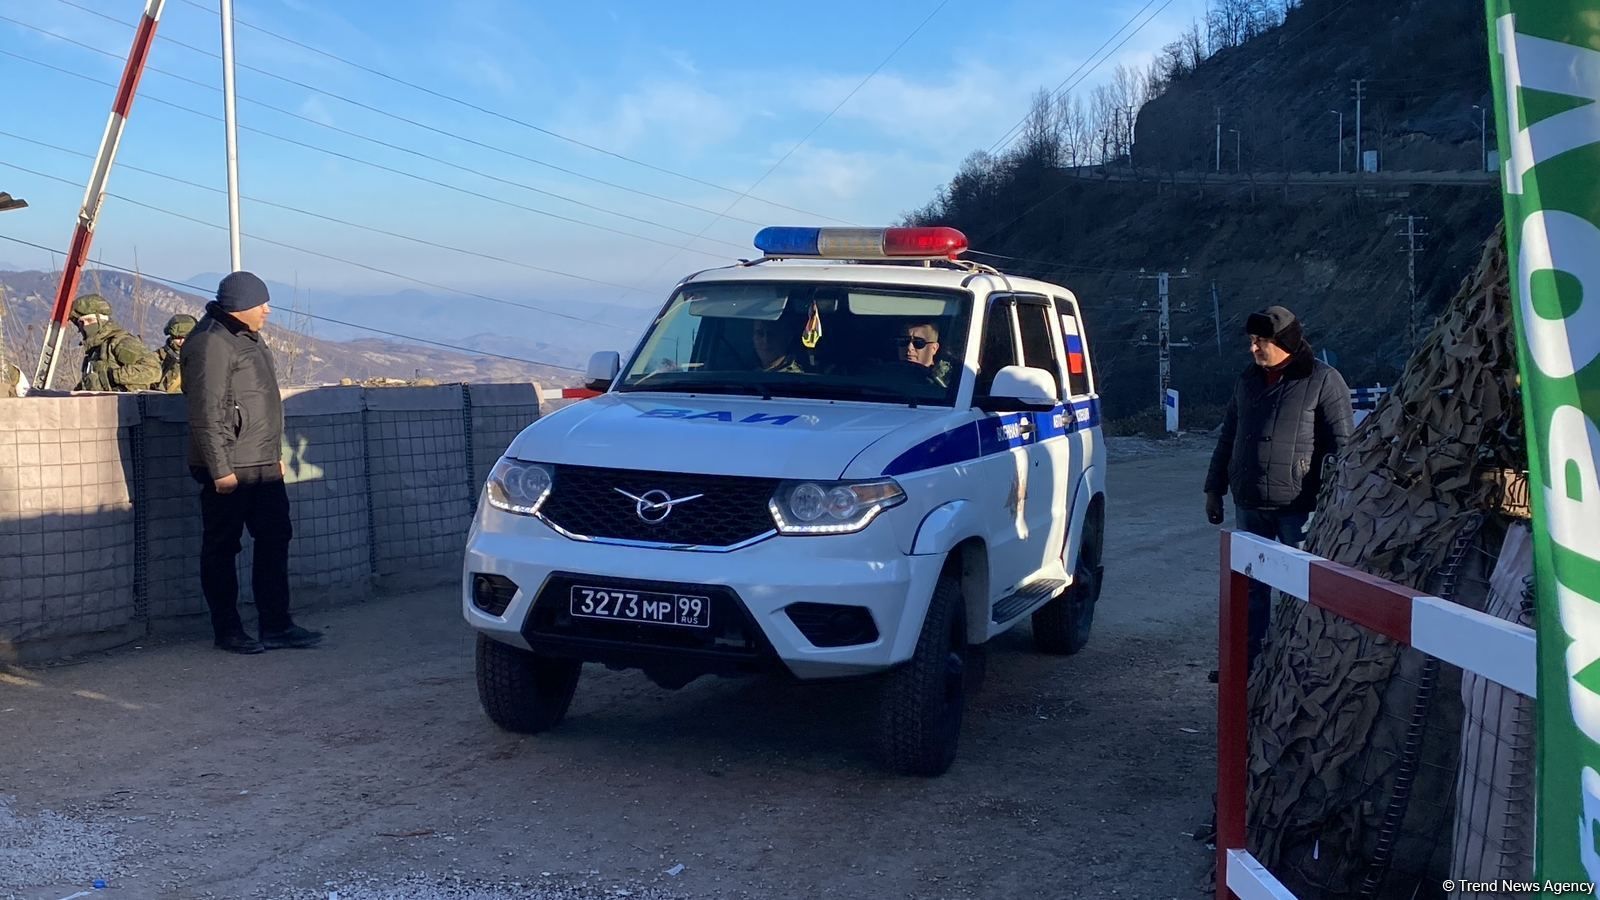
995 434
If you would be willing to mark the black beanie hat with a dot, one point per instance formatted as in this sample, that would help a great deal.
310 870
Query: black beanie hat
241 291
1278 325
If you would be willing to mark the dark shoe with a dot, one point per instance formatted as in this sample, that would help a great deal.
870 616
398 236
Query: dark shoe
239 643
1213 676
293 636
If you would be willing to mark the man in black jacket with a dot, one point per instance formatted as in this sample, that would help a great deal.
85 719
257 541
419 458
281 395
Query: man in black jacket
235 440
1289 412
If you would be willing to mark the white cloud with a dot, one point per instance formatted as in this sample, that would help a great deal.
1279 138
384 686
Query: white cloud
661 114
317 111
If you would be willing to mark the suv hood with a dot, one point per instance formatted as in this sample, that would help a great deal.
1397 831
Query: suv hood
778 438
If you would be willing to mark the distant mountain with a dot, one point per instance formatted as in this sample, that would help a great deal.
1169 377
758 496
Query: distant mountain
304 355
559 332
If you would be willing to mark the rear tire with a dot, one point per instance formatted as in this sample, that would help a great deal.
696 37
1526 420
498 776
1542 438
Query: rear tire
1061 627
921 702
522 691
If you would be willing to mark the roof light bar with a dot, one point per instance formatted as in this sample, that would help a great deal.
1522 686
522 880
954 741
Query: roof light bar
861 243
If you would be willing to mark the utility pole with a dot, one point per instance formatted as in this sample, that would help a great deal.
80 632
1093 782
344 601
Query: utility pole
1483 151
1219 139
1360 93
1216 315
1164 343
1341 138
1411 234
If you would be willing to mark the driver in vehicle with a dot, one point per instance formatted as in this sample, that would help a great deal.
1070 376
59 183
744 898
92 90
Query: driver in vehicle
918 342
777 345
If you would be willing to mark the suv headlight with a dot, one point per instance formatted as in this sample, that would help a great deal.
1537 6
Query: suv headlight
832 507
519 487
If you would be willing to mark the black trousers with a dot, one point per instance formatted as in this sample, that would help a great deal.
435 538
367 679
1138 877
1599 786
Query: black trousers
261 504
1285 528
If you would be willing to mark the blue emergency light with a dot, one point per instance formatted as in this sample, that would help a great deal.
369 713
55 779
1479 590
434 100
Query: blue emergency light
861 243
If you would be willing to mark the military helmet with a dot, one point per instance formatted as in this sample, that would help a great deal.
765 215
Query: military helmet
90 305
180 325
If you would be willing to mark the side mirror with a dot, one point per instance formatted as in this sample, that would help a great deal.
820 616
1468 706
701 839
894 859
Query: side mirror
603 368
1017 388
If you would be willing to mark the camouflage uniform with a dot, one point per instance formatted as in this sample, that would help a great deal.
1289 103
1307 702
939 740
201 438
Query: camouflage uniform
178 328
113 359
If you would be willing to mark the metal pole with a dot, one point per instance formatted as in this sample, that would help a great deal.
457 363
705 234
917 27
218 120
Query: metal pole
1236 150
1359 162
233 135
1483 151
1216 315
1164 348
1219 139
1233 710
94 194
1341 138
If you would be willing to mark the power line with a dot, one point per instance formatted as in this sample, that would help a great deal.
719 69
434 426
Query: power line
1020 122
393 334
327 256
382 112
996 232
397 147
481 109
358 160
1045 262
823 121
327 218
1159 10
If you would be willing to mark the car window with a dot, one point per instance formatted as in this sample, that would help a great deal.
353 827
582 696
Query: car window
1038 344
999 345
1079 381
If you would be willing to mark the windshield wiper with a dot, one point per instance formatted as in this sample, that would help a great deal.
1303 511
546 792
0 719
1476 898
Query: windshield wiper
700 387
827 391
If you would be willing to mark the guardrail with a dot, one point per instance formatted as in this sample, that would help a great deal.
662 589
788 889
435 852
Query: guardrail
1501 651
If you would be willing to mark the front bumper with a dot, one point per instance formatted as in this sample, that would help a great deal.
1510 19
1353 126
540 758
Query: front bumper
750 588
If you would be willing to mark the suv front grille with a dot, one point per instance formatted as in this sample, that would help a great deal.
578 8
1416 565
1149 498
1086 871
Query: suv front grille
588 502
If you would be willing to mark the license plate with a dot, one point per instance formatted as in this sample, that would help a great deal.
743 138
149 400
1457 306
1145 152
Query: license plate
641 606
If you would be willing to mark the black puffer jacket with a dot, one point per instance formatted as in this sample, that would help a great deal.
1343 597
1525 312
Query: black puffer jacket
1274 439
235 409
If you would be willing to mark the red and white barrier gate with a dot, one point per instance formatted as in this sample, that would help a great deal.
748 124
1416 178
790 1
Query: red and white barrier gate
1496 649
566 393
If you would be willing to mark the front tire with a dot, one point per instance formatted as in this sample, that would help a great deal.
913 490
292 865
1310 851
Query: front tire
922 701
522 691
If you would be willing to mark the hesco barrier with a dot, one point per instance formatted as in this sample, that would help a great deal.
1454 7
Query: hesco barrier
100 519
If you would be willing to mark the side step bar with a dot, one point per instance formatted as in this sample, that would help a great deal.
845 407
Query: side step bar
1026 597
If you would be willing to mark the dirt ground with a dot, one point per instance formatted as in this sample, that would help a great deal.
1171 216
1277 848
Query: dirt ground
364 769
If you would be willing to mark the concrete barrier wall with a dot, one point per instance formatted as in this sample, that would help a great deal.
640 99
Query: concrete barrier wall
100 517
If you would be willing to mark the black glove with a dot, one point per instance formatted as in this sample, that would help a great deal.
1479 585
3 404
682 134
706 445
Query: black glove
1214 509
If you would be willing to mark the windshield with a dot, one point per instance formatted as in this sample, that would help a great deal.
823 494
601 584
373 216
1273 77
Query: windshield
807 339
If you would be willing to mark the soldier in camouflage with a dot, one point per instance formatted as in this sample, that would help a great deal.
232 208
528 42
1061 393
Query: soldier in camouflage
113 359
178 328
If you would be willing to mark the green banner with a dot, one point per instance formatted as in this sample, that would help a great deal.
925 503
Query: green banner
1545 57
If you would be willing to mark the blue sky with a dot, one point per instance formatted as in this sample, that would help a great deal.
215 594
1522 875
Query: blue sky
719 92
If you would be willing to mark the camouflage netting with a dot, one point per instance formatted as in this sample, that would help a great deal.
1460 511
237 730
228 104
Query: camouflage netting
1354 740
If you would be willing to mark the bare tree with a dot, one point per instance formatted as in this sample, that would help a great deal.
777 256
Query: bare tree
1040 144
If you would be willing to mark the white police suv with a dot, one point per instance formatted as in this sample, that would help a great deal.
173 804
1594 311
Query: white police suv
856 455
